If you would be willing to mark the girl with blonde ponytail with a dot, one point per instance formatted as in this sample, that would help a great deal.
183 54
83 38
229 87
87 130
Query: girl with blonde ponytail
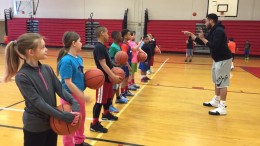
38 86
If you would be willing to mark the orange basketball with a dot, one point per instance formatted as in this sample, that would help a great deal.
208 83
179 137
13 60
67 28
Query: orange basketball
60 127
94 78
157 50
121 57
119 72
194 14
141 57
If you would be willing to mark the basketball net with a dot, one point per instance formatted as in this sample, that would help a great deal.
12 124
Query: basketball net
222 13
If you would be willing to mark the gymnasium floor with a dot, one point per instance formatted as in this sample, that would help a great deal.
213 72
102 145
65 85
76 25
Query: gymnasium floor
166 111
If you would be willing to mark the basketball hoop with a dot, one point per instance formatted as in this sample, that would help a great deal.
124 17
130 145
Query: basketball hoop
222 13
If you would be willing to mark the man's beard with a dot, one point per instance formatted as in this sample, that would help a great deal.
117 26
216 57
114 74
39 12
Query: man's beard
209 26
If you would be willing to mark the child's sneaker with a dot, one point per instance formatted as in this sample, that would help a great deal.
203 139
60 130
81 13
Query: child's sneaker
122 100
128 93
113 109
83 144
98 128
109 117
137 87
131 87
147 78
144 80
214 102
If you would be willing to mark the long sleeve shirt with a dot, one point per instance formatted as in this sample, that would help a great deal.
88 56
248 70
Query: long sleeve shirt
38 86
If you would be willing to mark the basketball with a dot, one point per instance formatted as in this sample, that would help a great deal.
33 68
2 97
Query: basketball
194 14
121 57
157 50
141 56
61 127
94 78
119 72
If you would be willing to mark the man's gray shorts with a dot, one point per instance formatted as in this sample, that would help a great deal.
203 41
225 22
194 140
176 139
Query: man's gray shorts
221 73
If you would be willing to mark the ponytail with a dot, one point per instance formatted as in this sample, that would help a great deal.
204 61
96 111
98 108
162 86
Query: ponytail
12 61
62 53
16 50
68 38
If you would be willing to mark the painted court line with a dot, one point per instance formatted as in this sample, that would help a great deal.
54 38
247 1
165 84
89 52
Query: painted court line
130 101
20 110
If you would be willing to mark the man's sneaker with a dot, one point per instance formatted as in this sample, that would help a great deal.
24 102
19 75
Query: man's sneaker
144 80
113 109
218 111
137 87
149 72
83 144
131 87
109 117
128 93
98 128
214 102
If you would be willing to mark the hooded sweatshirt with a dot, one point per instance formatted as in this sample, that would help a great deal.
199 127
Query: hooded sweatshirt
217 43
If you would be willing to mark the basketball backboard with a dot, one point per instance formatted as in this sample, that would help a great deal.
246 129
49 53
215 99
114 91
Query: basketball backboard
25 7
223 8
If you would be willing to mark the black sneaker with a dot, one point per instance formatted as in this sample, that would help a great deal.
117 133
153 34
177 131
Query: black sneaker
109 117
98 128
83 144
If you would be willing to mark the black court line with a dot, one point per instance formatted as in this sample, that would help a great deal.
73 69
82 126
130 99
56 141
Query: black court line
112 141
11 127
90 138
200 88
12 105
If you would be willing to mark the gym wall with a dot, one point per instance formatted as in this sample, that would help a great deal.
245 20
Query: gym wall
171 12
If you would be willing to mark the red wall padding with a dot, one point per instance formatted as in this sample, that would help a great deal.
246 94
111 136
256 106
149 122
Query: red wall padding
53 29
168 33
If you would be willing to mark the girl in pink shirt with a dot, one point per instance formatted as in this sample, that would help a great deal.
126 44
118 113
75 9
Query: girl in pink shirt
135 49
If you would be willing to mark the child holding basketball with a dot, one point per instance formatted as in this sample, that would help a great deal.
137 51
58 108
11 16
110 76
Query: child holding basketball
114 48
152 47
127 68
38 85
70 68
135 49
104 94
144 66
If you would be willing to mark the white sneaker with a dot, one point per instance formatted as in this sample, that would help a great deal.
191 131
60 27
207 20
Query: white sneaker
218 111
148 72
214 102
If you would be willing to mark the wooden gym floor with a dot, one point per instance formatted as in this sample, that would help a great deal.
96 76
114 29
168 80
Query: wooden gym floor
166 111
